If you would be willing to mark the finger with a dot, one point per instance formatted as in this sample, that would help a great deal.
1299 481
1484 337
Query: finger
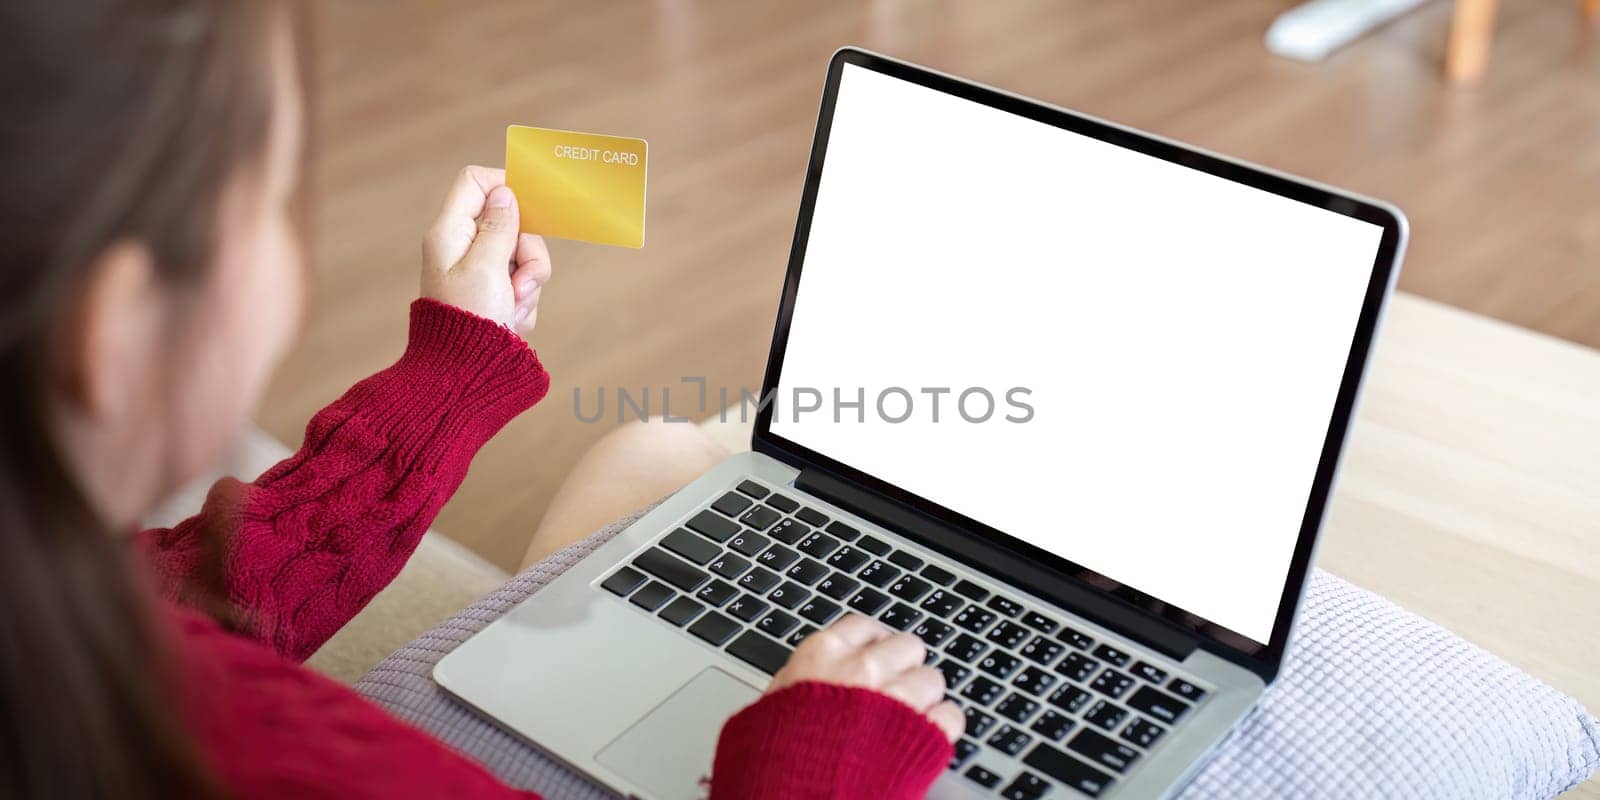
471 188
948 718
896 654
922 688
527 314
496 240
856 630
532 265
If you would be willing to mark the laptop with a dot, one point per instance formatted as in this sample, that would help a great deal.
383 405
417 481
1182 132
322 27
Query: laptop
1065 399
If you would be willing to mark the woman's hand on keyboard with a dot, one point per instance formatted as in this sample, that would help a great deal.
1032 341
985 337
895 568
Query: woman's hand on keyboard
859 651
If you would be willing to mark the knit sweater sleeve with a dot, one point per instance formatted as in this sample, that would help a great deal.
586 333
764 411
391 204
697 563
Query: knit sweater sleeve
308 544
814 741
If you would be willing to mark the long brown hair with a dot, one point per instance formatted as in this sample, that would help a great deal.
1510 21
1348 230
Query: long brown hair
120 120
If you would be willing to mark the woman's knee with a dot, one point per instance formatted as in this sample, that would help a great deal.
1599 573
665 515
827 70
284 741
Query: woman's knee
655 438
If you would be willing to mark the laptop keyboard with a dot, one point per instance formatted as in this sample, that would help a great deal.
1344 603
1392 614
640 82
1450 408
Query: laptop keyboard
1047 705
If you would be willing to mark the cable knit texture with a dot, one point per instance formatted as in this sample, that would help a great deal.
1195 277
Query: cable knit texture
306 546
817 740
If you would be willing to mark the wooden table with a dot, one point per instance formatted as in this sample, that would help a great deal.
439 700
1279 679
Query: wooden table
1470 492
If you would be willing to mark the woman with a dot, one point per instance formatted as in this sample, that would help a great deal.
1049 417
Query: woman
149 152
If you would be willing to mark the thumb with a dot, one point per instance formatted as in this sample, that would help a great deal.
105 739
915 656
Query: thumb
496 241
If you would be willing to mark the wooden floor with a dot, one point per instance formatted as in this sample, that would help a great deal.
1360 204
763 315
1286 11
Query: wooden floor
1502 182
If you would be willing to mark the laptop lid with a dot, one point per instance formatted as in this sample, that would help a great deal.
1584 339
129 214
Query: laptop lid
1126 362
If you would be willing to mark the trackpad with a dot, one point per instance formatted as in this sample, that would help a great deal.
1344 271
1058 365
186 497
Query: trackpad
670 749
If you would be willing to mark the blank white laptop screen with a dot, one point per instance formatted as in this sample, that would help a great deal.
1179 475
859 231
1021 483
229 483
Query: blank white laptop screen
1176 338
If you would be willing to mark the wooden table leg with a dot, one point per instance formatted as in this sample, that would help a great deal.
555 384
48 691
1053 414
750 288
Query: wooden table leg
1591 8
1471 30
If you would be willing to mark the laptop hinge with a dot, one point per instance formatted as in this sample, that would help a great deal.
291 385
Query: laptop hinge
996 561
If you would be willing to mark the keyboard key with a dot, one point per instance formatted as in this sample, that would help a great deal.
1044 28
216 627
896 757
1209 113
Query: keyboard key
1075 638
1008 635
1112 683
712 526
869 601
838 586
680 611
942 603
906 561
1103 751
1149 672
800 635
1039 622
777 624
759 651
820 611
1034 681
938 574
1068 770
1017 708
1070 698
806 571
811 516
966 648
716 593
1077 666
790 595
1052 725
983 691
900 616
963 751
878 574
729 565
818 545
932 632
909 587
652 596
759 580
671 569
1186 690
789 531
777 558
873 545
714 628
954 673
1142 732
1009 740
1111 654
1105 714
971 591
731 504
1005 606
1027 786
753 489
1158 704
848 559
977 774
999 664
623 581
748 608
690 546
1042 651
782 503
974 619
749 543
760 517
843 531
978 723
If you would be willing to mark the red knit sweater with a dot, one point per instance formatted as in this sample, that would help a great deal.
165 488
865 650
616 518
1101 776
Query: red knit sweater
308 544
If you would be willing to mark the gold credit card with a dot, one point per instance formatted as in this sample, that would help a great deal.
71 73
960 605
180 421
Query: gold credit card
571 185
